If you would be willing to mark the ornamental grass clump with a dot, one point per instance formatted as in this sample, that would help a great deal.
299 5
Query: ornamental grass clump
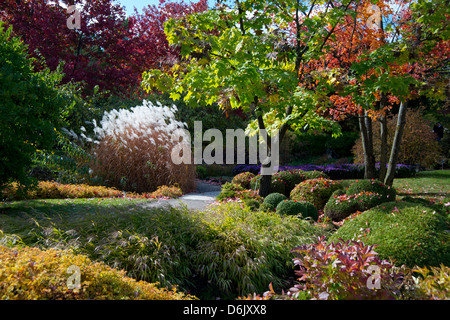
55 190
133 149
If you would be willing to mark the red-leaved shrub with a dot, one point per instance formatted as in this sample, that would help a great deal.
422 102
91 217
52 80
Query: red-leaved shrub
345 270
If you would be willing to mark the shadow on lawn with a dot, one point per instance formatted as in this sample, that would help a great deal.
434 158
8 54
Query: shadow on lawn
440 194
437 174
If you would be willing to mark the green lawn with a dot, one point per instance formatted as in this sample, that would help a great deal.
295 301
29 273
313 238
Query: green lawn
429 184
433 185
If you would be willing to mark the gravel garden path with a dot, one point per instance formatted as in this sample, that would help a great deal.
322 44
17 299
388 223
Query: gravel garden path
205 194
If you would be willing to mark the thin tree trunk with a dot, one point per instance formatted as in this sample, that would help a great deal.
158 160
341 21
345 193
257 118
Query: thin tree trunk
265 185
389 179
383 138
266 180
365 126
383 147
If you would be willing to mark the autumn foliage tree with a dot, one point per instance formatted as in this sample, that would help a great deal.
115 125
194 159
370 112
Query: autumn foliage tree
110 50
248 54
380 61
419 145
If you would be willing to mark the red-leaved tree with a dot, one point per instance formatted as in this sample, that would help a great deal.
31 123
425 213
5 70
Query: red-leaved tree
109 50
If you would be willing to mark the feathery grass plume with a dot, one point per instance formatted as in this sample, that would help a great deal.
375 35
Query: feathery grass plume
133 148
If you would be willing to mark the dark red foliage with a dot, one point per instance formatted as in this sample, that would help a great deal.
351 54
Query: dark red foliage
344 270
110 49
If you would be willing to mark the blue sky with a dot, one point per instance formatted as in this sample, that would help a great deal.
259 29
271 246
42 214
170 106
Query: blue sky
139 4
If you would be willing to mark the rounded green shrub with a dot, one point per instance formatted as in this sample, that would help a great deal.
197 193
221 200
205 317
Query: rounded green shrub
409 233
229 190
290 178
277 185
292 207
339 207
273 199
252 204
314 174
317 191
372 185
359 196
243 179
289 208
266 207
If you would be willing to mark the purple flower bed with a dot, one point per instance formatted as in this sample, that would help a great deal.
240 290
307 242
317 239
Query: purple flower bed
334 171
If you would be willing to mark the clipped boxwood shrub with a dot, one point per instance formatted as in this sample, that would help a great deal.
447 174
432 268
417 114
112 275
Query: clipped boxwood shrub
252 204
317 191
273 199
243 179
229 191
290 178
289 208
359 196
339 207
277 185
409 233
372 185
292 207
315 174
309 211
29 273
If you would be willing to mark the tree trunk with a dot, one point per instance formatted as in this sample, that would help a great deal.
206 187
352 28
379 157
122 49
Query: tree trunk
266 180
365 126
389 179
264 185
383 147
